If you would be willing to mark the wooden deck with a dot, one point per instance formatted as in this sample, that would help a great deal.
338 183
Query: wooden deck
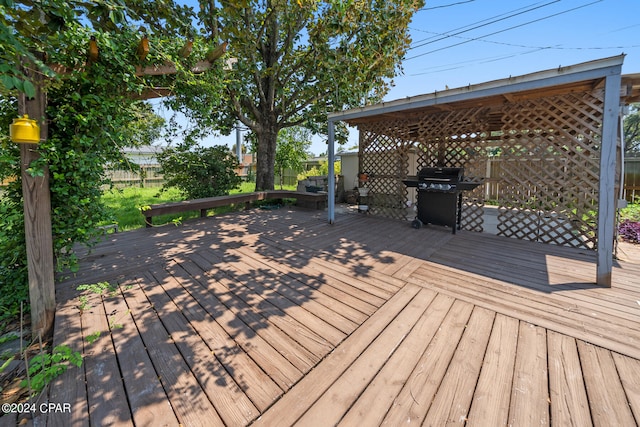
276 318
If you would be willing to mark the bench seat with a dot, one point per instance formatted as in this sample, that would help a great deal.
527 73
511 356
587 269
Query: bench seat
303 199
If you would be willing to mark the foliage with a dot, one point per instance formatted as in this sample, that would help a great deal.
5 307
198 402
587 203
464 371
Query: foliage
100 288
45 367
92 115
27 27
292 150
145 127
103 289
9 337
13 268
321 170
629 231
295 62
199 171
91 338
5 365
631 212
199 97
629 225
632 130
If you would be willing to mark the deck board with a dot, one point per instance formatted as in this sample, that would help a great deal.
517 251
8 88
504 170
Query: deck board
604 387
490 405
293 405
629 372
372 405
565 316
105 393
233 406
278 318
251 331
69 387
451 403
239 357
147 398
530 396
569 404
330 407
185 393
415 397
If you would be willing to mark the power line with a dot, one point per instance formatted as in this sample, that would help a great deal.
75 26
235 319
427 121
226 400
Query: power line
484 23
463 64
504 30
556 47
445 5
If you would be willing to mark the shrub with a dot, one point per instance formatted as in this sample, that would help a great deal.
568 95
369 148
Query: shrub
629 231
199 171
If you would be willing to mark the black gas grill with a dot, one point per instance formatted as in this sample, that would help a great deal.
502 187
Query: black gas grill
439 196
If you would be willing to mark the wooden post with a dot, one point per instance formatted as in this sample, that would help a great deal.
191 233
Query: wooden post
606 192
37 218
331 174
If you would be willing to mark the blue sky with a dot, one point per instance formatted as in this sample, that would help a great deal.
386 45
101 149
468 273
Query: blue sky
461 42
458 42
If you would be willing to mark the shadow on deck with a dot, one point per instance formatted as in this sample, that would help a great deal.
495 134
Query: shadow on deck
278 318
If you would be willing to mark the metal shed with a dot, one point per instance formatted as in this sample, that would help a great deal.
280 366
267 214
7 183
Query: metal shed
556 134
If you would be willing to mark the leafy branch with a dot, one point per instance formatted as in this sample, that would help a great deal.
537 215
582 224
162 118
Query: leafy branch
45 367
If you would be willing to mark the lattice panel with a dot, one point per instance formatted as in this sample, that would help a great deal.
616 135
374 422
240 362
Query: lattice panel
472 218
549 162
550 168
458 139
384 156
453 138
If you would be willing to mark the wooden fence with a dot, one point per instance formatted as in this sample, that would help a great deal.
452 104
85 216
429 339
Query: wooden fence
631 179
148 176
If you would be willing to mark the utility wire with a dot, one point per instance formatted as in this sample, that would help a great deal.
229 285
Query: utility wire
556 47
445 5
484 22
458 65
504 30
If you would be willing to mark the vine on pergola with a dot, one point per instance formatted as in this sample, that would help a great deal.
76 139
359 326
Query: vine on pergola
96 70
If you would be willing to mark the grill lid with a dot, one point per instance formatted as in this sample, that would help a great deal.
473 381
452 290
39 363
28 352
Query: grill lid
441 175
439 179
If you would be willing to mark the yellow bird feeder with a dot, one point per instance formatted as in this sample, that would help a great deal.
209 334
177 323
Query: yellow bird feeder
24 130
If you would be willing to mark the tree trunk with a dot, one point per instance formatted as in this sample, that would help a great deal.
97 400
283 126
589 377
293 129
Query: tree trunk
265 163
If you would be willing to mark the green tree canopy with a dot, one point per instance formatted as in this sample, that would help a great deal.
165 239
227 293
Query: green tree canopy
295 61
28 27
292 150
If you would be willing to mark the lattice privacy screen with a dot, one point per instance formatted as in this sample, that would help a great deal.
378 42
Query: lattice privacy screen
548 152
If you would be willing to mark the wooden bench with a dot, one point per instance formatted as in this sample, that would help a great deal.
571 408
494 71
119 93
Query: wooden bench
305 200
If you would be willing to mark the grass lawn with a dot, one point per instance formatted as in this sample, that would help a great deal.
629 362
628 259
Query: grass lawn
125 205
